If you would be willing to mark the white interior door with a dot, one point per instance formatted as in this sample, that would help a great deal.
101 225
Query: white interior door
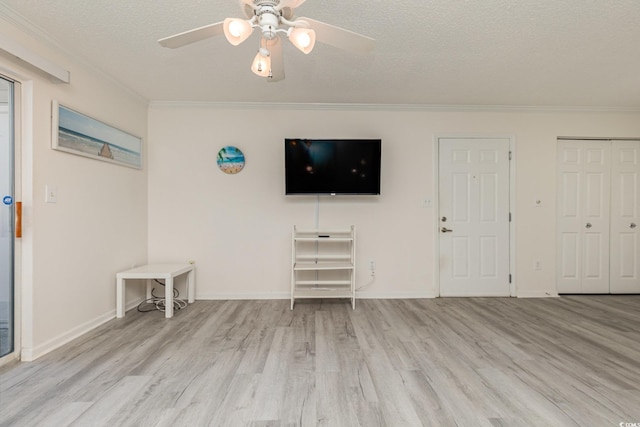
474 216
625 217
584 174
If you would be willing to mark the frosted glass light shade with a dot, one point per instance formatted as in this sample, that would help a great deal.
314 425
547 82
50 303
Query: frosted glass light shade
237 30
262 63
303 38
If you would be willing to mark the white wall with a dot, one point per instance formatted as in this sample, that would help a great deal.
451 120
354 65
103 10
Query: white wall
73 249
237 227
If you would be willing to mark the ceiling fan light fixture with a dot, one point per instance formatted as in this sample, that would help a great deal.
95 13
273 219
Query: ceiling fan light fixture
274 19
261 65
302 38
237 30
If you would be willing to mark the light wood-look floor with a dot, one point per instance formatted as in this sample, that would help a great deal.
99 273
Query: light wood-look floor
571 361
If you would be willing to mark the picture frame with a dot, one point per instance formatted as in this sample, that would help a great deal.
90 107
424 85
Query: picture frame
77 133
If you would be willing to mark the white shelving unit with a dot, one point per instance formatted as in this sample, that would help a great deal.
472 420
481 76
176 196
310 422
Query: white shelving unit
323 263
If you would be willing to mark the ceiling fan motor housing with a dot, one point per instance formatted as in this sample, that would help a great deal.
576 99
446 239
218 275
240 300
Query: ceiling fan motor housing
260 3
268 20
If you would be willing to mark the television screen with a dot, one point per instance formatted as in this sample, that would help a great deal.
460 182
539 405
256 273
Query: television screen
332 166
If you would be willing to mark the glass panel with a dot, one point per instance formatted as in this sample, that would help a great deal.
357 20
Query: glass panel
6 218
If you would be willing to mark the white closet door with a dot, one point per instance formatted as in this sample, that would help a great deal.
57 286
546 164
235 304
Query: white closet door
625 218
474 217
583 216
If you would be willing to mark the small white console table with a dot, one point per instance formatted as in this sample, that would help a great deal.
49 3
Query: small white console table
156 271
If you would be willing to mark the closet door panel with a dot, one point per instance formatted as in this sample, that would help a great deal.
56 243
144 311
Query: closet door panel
583 216
625 218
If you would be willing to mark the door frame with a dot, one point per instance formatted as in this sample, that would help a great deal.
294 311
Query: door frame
512 202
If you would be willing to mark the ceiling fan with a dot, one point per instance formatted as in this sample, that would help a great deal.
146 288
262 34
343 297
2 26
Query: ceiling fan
274 19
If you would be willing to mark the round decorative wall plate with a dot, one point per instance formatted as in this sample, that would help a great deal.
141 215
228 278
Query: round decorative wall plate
230 159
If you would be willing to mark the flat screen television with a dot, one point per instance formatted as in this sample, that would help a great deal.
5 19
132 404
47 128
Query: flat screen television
332 166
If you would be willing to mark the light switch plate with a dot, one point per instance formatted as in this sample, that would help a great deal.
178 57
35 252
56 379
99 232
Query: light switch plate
50 194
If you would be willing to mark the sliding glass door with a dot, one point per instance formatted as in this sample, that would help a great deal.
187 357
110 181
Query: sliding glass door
7 218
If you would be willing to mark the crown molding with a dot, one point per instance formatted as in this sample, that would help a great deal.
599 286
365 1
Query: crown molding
23 24
385 107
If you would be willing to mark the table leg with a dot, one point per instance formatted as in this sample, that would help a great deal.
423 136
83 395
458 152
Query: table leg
119 297
191 287
168 296
149 287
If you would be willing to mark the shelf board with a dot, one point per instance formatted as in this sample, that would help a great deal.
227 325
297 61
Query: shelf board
343 231
312 257
310 283
323 293
310 266
323 239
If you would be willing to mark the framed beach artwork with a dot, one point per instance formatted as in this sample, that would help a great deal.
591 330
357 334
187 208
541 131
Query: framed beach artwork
76 133
230 159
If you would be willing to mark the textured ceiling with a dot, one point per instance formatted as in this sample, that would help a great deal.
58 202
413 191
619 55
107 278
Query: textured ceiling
583 53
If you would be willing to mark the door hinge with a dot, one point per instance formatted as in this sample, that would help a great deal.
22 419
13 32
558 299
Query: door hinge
509 216
510 155
509 278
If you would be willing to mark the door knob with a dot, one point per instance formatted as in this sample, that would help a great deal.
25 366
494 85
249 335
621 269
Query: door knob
632 225
445 230
588 225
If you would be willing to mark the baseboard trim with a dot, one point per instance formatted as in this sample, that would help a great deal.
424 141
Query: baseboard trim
29 354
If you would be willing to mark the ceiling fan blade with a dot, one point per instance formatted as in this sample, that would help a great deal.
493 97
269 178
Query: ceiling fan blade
192 36
287 7
339 37
247 7
277 61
